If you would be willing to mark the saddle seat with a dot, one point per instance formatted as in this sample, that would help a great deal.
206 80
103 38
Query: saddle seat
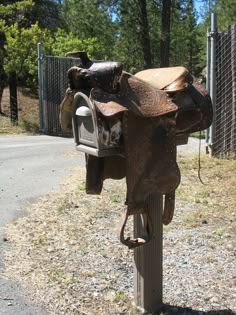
170 79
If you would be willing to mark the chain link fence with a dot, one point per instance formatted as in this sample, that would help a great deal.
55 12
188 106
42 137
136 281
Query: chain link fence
224 143
54 86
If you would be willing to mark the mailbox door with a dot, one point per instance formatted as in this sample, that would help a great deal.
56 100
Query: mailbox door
86 129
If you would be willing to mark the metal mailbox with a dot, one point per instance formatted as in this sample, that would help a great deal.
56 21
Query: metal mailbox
88 134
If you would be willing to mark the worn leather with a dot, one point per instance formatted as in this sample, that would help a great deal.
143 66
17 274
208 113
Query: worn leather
66 110
136 96
145 120
171 79
104 75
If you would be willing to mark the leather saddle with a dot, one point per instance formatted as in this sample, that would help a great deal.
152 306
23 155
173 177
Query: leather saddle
144 114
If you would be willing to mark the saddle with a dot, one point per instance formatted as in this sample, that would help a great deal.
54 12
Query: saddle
144 114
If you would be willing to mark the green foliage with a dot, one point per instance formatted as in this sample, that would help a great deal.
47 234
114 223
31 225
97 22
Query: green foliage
186 40
28 12
15 12
154 16
65 42
226 14
16 6
128 47
106 29
46 13
85 19
21 45
21 50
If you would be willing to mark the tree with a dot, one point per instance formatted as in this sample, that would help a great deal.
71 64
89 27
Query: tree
27 12
47 13
88 19
12 12
154 18
133 44
26 23
187 46
165 33
145 36
22 57
65 42
128 48
3 76
226 14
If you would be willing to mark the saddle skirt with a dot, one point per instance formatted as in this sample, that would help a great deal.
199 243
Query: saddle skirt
145 114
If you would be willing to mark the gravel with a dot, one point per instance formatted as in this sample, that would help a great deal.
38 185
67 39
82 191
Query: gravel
72 263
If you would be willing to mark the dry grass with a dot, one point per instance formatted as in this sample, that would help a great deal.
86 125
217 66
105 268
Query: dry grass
67 237
215 200
28 113
68 245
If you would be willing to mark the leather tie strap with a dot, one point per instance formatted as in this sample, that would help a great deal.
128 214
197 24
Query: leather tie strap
146 227
169 208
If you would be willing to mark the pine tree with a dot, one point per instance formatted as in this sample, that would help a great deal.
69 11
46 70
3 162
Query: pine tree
165 33
91 19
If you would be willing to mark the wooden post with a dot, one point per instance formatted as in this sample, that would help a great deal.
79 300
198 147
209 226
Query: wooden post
13 97
148 261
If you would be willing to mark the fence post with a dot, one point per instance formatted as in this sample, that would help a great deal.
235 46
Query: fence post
40 86
212 82
208 52
148 261
233 67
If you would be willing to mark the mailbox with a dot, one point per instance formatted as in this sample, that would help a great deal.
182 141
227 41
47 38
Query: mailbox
88 129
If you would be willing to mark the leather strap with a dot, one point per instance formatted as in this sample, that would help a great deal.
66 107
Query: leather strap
146 226
169 208
145 221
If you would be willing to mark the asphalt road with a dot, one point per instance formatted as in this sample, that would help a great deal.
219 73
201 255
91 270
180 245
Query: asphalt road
30 167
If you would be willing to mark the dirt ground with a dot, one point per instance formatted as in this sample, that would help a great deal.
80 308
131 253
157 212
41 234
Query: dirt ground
28 112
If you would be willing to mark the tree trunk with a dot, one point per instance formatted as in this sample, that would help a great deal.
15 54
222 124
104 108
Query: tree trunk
2 72
146 45
13 98
165 33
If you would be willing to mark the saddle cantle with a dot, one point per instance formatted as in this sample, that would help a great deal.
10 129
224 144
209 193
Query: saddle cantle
170 79
142 115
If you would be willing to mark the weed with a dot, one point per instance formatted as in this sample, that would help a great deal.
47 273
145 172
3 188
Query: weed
82 187
62 277
39 239
120 296
115 198
219 232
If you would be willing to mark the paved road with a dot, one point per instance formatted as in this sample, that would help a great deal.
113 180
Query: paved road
30 167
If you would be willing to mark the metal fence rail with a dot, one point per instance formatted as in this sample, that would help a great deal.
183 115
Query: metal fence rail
54 87
224 144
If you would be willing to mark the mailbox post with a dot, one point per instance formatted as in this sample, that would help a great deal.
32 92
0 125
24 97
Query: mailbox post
148 278
148 261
